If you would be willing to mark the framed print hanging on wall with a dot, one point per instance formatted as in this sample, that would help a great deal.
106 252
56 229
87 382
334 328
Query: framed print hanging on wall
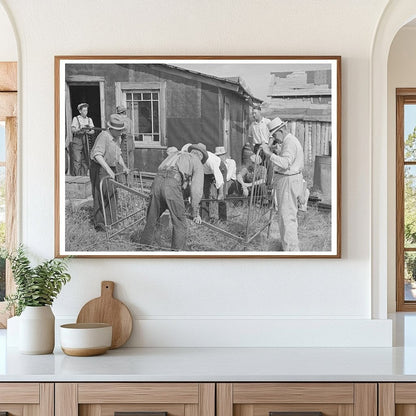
198 156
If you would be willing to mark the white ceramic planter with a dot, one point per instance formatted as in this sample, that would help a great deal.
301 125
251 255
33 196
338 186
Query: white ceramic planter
37 330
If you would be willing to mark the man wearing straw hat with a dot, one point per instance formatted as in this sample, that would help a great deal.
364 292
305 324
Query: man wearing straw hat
105 156
288 166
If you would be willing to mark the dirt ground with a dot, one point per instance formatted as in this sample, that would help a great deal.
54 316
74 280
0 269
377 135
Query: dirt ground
314 232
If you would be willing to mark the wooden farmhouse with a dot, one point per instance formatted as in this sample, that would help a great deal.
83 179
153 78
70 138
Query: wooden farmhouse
168 106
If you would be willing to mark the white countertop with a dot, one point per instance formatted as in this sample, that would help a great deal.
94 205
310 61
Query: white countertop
215 364
222 364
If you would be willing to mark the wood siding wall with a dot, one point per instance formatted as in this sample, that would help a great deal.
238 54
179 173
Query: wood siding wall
314 136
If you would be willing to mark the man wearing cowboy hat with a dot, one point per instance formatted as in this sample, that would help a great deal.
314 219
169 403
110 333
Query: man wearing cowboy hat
178 171
81 127
288 166
105 156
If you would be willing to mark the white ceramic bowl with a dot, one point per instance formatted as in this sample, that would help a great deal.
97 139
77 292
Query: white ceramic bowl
83 340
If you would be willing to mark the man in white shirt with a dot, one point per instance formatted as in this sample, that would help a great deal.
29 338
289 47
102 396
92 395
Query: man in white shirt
288 166
231 167
258 132
81 128
214 180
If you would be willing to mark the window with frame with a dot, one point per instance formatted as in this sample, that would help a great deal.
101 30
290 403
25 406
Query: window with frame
143 109
406 199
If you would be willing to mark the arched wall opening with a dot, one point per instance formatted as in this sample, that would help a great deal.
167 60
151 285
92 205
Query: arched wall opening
396 15
401 74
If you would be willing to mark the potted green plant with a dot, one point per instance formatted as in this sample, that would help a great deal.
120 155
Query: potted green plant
36 289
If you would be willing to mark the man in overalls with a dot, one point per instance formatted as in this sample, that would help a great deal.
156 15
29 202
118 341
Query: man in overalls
81 128
174 174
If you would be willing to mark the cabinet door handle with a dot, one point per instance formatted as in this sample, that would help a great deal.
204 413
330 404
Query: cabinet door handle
139 414
295 413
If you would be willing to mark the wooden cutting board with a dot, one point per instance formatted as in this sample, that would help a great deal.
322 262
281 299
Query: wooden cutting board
107 309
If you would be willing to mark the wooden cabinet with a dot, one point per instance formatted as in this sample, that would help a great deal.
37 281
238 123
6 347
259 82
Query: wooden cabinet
262 399
27 399
106 399
208 399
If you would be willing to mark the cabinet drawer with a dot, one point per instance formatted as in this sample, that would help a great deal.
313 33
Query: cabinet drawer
21 399
309 399
147 399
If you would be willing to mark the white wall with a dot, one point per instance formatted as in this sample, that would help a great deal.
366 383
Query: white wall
8 46
212 302
401 74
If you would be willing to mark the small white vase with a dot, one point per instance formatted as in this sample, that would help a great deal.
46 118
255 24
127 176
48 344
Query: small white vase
37 330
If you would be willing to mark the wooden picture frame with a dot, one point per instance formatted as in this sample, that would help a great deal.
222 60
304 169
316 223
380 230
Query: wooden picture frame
176 101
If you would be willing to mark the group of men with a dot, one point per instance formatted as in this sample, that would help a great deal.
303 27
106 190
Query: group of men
211 176
200 174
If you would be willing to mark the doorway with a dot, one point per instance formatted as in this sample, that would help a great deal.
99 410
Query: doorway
86 93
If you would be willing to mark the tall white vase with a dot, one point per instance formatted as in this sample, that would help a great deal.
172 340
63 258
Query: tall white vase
37 330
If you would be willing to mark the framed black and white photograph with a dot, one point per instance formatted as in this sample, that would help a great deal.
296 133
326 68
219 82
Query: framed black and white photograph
198 156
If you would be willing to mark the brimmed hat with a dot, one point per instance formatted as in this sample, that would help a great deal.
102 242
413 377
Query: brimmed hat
201 148
121 109
116 122
80 106
185 147
220 150
276 124
171 149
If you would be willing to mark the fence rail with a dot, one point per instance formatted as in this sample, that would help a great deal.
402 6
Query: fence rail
123 202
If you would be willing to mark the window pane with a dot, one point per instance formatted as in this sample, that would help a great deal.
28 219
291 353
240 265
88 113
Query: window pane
134 117
409 275
410 206
145 117
410 132
156 116
143 110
